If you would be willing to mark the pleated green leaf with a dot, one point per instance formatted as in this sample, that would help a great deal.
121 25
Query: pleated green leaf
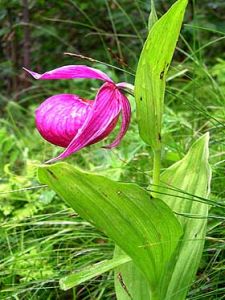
151 72
190 176
144 228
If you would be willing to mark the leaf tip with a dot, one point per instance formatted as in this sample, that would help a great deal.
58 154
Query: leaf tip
62 284
204 139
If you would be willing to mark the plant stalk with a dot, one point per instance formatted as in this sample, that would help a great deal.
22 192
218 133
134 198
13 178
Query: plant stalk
156 169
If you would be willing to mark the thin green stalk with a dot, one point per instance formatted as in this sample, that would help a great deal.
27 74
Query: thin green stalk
156 168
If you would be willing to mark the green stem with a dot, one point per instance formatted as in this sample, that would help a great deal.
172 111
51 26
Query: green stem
156 168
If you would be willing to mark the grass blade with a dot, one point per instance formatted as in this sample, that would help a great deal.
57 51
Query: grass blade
92 271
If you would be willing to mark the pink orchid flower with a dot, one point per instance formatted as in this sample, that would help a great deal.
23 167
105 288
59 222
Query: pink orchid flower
72 122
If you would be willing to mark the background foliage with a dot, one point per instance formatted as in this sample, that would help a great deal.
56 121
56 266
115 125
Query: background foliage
41 239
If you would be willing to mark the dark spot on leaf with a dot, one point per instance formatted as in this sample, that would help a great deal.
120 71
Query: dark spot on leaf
159 137
141 98
162 74
120 278
101 241
104 194
52 174
159 239
73 215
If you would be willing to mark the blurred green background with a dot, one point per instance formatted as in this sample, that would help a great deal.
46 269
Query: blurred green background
41 239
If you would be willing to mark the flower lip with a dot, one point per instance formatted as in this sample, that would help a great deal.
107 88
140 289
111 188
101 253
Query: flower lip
59 118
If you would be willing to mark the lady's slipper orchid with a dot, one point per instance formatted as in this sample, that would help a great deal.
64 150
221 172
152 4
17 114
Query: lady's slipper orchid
71 122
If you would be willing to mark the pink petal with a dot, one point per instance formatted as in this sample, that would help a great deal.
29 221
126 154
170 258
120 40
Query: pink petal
109 129
100 121
126 115
71 72
59 118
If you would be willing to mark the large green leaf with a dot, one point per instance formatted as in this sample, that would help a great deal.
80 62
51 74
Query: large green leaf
143 227
192 176
151 72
